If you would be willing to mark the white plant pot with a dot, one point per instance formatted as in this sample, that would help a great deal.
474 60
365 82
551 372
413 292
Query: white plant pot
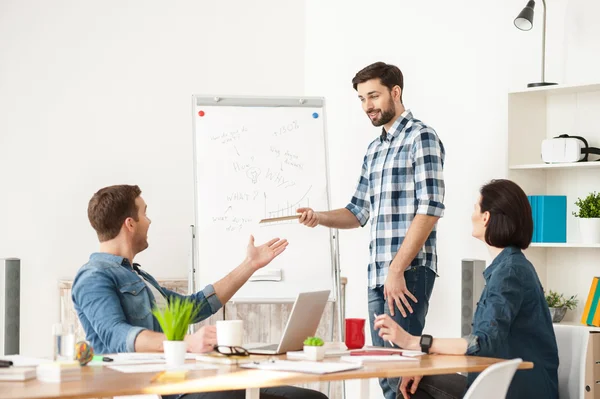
589 230
175 353
314 352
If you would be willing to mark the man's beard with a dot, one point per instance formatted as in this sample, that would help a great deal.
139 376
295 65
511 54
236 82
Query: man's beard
386 115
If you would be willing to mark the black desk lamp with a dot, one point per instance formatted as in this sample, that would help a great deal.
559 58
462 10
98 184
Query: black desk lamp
524 21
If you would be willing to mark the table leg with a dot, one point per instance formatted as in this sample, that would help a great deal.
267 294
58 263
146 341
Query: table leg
252 393
364 388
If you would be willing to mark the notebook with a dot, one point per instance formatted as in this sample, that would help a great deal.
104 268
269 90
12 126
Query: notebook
222 359
385 352
303 366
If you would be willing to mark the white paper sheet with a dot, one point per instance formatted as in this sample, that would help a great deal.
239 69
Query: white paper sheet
303 366
378 358
150 368
123 359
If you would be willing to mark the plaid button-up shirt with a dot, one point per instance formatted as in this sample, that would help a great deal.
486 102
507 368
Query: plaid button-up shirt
402 176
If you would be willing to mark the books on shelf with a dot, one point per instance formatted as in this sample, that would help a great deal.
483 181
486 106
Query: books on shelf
549 218
591 311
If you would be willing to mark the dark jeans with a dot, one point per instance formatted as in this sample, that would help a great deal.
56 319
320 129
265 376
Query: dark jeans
449 386
419 282
287 392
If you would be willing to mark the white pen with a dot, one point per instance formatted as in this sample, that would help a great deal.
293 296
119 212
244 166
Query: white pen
391 343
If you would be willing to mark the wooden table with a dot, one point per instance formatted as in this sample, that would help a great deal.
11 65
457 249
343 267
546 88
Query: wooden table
100 381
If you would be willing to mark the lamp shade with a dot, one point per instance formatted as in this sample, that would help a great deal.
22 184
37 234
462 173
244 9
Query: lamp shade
524 20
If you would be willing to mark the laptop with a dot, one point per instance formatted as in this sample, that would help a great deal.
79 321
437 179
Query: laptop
302 323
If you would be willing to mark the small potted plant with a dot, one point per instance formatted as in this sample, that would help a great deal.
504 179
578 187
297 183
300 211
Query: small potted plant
174 320
558 305
589 218
314 349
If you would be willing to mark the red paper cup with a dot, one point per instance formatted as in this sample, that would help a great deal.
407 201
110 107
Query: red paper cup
355 333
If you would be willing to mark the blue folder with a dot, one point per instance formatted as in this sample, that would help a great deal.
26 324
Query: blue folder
549 218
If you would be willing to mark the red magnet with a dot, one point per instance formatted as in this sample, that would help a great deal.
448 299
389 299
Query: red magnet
201 113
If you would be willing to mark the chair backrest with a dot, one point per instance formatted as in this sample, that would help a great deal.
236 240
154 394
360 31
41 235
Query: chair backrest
494 381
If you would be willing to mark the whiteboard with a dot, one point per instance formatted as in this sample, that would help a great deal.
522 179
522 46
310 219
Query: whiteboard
257 158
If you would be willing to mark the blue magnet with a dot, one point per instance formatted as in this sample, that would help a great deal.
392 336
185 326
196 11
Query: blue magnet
315 115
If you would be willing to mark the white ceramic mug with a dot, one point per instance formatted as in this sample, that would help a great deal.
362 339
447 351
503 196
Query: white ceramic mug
230 332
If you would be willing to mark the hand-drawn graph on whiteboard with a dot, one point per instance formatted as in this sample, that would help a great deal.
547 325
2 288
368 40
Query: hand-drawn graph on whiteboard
281 211
260 158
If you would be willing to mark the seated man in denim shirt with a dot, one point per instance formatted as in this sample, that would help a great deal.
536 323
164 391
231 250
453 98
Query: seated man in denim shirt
113 296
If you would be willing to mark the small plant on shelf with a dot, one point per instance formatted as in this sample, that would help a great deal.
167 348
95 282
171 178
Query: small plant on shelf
558 305
589 207
588 214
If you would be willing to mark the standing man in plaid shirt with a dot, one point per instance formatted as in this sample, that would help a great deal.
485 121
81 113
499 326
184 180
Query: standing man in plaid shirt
401 190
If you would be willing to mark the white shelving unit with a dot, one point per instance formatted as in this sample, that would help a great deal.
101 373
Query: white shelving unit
563 245
534 115
567 166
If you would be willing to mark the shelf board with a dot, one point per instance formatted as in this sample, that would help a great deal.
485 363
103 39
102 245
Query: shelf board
576 324
574 165
559 89
563 245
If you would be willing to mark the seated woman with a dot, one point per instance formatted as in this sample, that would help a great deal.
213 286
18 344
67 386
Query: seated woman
512 319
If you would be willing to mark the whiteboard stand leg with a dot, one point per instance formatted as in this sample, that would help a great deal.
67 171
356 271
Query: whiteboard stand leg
252 393
339 301
192 273
338 285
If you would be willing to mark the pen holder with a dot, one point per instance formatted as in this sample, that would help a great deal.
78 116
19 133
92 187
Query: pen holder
175 353
314 352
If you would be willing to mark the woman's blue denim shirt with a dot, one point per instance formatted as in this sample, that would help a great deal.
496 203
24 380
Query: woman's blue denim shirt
114 305
512 320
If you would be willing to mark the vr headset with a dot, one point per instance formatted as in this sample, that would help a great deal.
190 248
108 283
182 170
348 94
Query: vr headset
565 149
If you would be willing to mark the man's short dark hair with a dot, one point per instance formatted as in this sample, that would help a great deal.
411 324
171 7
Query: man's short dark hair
110 207
389 75
511 222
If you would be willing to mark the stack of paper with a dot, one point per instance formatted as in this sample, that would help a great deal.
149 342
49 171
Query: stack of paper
17 373
300 355
148 368
59 371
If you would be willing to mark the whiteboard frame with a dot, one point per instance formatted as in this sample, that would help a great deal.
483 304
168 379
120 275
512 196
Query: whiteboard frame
242 101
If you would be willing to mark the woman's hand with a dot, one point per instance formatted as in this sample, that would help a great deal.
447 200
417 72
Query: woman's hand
409 385
389 330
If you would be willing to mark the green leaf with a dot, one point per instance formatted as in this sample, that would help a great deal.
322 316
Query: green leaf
589 207
175 318
313 341
556 300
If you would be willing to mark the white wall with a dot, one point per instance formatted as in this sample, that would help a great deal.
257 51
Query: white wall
459 60
98 93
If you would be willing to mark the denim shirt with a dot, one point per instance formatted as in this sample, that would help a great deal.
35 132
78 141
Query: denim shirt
114 304
512 320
